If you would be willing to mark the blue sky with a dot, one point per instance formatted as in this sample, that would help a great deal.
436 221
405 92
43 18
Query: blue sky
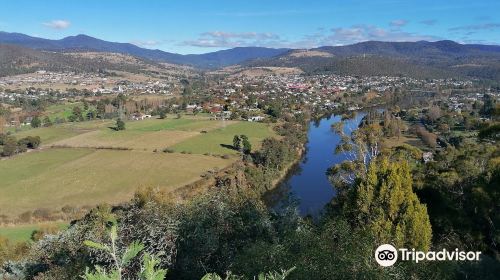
190 26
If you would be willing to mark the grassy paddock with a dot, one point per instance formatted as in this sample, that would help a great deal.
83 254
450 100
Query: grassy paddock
19 233
141 135
53 178
81 175
220 140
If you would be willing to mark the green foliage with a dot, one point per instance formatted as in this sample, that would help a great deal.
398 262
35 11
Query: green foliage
31 142
491 132
274 154
273 275
386 203
149 269
36 122
10 147
76 115
120 125
101 274
215 276
214 228
149 265
242 144
237 142
460 188
131 252
163 114
247 146
47 122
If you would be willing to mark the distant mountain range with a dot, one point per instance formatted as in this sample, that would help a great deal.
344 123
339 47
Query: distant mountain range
420 59
87 43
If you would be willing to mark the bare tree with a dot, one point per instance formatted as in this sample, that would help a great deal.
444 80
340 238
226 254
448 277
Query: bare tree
360 147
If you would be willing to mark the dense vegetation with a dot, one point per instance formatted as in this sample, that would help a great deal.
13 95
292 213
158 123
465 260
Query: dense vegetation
230 229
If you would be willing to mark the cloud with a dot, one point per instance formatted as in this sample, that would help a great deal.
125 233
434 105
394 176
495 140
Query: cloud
146 43
221 39
398 23
243 35
363 32
476 27
324 37
428 22
57 24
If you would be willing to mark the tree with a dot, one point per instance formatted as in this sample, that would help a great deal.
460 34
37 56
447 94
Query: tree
187 90
47 122
163 114
428 138
384 201
10 146
360 148
237 142
247 146
36 122
120 125
101 109
91 114
274 154
491 132
2 124
76 115
433 114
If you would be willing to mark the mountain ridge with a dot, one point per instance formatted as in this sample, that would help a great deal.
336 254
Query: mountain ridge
87 43
423 59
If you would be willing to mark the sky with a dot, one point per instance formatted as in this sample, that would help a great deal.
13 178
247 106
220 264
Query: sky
190 26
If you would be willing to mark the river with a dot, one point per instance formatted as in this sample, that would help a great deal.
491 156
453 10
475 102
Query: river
307 184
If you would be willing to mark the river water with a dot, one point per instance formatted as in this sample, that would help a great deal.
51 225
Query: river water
307 184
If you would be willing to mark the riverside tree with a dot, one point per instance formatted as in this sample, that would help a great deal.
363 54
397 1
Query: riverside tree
385 203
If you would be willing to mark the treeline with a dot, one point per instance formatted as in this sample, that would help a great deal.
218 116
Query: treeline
12 146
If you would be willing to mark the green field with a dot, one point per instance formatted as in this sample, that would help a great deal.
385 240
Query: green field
61 111
141 135
213 142
49 134
23 232
69 170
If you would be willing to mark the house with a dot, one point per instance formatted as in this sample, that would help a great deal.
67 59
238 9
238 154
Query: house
140 116
427 157
256 119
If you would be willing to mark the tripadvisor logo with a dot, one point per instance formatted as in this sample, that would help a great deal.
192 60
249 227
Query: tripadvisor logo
387 255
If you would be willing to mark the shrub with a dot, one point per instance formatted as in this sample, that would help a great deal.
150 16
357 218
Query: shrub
168 150
31 142
120 125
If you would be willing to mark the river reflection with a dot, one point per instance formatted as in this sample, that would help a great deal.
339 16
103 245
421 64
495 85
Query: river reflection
307 185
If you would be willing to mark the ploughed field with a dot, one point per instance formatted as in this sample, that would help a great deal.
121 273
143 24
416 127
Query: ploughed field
87 163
